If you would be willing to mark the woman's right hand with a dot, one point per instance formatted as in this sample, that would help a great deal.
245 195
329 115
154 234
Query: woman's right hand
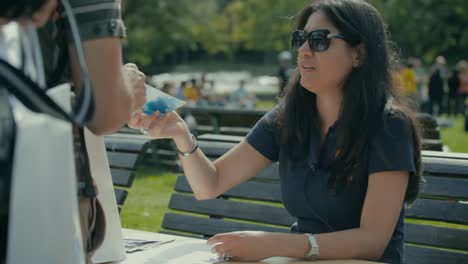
170 125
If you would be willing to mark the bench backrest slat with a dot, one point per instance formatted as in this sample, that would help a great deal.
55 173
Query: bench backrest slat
120 196
446 166
450 238
211 226
423 255
122 160
266 214
122 178
455 188
124 152
259 191
439 210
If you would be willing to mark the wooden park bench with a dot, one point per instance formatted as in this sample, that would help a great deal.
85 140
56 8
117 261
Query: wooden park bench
434 232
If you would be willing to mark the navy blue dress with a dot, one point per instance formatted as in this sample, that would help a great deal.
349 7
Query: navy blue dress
304 183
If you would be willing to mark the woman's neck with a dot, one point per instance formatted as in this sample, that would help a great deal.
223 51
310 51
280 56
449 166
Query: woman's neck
328 107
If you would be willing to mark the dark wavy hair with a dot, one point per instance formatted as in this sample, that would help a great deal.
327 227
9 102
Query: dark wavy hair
368 93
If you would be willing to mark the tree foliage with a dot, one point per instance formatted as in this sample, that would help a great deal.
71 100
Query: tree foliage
159 29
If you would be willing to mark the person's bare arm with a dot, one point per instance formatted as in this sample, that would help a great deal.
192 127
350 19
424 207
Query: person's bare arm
116 95
207 179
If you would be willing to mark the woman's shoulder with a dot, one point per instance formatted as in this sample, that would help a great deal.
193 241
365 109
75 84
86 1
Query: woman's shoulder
272 116
394 123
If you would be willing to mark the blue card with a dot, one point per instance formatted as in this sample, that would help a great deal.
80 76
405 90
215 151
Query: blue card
157 100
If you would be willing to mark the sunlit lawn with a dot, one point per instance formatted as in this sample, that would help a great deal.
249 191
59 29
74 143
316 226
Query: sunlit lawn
148 199
454 137
149 196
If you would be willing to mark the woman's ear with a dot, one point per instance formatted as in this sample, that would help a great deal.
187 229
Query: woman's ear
358 55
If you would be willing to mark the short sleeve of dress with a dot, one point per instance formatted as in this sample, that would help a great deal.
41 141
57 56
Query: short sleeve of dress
97 19
392 148
264 136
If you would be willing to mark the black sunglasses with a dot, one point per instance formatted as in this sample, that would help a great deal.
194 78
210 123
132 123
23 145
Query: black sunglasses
319 40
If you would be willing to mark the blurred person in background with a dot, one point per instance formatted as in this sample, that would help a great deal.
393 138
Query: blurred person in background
421 80
169 88
241 98
462 68
180 90
408 83
453 98
191 91
436 86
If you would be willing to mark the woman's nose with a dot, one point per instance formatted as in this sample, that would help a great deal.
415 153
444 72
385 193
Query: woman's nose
305 49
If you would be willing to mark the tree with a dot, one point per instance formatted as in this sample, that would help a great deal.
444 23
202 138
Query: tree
427 28
158 29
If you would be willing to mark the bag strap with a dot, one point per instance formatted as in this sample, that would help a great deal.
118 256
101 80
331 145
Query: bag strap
31 95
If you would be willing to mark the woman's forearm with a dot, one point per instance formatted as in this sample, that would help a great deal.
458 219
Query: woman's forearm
349 244
198 169
356 243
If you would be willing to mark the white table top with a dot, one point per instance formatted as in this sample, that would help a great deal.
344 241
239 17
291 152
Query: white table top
184 250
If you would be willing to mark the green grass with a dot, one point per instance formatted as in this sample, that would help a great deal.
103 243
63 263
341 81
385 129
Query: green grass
267 104
149 196
148 199
455 137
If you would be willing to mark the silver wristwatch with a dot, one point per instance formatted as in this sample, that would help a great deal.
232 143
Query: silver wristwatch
313 253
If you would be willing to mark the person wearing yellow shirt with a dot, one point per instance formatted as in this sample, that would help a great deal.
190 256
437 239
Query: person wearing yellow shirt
191 91
408 79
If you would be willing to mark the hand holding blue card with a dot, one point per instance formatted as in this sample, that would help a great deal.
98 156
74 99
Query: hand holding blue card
160 101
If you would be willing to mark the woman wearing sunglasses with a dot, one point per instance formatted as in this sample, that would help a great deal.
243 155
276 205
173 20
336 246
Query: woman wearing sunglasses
348 150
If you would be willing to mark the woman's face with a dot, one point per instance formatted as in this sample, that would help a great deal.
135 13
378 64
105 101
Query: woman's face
325 72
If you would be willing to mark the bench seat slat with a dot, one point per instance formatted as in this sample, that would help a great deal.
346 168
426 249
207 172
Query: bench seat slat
248 190
210 226
232 209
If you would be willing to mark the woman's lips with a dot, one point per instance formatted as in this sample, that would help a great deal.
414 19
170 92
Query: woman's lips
306 67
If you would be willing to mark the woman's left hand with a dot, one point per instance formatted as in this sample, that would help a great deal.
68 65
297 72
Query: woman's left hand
242 246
